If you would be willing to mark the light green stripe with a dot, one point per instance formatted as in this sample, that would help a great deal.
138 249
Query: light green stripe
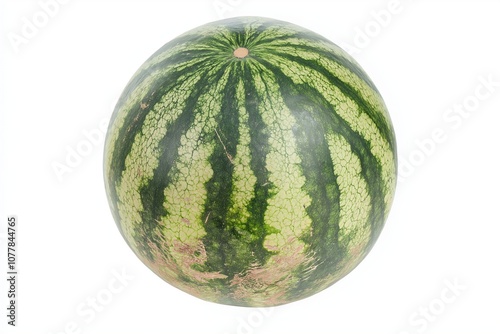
185 196
244 179
355 201
133 100
286 209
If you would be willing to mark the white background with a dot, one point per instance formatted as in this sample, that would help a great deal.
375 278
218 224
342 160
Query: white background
433 270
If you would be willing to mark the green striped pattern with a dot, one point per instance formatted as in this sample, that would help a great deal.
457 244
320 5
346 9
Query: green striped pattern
251 181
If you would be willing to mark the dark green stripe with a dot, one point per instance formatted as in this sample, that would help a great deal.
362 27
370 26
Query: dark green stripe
377 116
231 249
321 185
312 113
222 251
259 148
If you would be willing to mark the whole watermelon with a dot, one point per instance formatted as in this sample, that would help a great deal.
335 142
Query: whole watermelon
250 162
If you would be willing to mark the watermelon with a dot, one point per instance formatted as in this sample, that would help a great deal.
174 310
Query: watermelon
250 162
